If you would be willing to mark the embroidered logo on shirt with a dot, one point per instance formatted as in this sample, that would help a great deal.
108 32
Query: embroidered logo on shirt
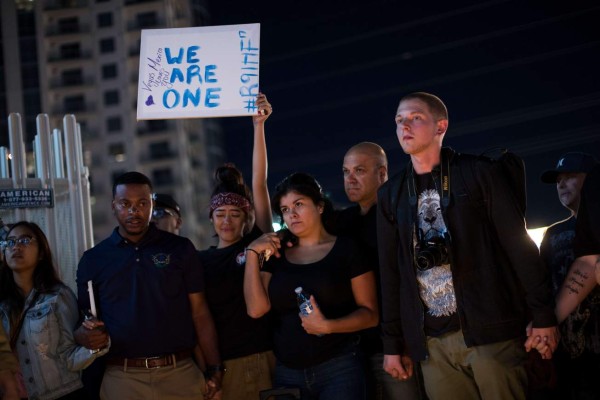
161 260
240 259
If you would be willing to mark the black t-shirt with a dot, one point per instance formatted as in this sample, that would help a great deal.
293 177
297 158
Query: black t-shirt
556 250
329 280
436 286
580 331
587 237
239 334
363 228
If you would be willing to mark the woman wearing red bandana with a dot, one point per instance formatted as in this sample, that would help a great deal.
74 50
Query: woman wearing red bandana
239 216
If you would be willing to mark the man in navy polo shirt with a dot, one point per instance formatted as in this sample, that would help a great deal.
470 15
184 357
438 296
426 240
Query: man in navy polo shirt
148 287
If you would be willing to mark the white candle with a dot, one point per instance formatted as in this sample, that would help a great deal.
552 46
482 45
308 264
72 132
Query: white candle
92 300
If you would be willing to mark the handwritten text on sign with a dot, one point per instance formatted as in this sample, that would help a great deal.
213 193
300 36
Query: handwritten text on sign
208 71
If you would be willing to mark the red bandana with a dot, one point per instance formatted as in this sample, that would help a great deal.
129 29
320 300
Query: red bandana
228 199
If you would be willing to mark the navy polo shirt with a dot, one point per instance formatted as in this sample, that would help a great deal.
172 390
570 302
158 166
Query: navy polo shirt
141 291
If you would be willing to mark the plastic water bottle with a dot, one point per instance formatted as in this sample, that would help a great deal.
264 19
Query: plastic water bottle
304 303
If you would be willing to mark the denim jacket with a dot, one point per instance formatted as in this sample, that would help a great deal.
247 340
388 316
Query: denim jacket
48 355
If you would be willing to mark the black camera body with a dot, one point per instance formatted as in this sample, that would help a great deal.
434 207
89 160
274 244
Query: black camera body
432 252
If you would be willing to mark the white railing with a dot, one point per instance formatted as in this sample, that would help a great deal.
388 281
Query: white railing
68 222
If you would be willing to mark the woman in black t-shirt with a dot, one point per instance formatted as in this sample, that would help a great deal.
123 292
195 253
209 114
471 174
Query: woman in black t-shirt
244 343
315 352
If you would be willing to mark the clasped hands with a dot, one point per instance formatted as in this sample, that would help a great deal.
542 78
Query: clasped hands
92 334
544 340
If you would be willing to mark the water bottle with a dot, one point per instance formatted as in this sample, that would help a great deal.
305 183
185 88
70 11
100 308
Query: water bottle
304 303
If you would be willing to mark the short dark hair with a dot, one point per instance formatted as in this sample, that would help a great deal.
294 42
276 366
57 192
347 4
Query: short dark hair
131 177
306 185
435 104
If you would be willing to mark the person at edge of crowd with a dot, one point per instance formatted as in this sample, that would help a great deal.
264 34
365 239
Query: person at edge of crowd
587 236
459 282
39 314
578 358
245 343
584 274
323 344
166 213
9 366
365 169
148 286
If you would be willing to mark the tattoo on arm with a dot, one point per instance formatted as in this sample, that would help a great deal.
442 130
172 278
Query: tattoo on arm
576 283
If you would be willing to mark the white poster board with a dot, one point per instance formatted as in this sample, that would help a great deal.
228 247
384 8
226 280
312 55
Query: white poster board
208 71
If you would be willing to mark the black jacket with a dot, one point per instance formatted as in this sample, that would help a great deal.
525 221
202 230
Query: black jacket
499 281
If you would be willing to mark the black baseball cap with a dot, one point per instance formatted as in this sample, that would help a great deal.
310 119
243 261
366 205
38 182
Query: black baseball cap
570 162
166 201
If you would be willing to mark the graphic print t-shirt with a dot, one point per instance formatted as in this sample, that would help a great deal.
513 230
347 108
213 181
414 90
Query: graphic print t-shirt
435 285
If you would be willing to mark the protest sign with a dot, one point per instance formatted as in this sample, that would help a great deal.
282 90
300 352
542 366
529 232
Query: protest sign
208 71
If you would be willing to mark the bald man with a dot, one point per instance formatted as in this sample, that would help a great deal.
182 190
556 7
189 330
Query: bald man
365 169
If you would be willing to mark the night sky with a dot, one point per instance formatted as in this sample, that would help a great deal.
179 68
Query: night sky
516 74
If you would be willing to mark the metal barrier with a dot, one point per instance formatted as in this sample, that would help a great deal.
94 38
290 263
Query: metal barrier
42 193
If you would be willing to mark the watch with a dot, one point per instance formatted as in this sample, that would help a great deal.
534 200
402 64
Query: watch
213 369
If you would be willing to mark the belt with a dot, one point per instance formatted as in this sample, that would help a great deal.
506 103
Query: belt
150 362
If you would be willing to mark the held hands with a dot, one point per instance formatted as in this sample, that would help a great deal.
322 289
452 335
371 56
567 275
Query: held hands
399 367
544 340
92 334
213 386
264 109
314 323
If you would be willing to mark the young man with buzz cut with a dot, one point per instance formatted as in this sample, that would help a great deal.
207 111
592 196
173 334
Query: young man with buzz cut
460 276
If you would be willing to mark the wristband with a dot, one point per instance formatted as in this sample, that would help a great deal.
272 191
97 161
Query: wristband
213 369
252 250
261 256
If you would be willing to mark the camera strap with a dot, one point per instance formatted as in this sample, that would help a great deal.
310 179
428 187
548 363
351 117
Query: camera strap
444 183
413 196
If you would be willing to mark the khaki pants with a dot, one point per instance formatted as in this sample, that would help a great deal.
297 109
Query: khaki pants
247 376
185 381
493 371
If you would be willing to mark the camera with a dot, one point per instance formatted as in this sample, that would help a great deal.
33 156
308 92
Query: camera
432 252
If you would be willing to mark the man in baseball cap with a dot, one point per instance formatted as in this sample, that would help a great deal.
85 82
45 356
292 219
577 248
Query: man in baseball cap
570 162
578 354
166 214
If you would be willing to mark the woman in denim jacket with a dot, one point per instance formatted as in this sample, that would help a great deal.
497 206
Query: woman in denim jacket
33 297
